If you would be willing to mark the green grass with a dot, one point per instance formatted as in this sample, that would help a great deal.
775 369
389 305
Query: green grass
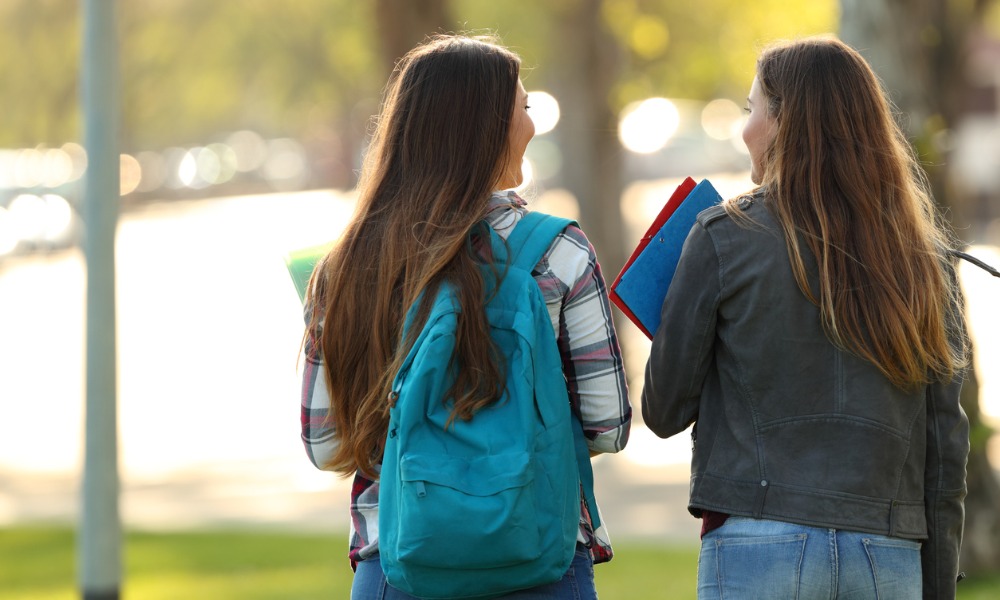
38 563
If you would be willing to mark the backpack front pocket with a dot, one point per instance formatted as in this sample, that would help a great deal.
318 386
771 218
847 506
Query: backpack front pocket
467 513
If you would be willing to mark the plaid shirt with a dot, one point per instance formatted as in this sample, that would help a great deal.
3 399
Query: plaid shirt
576 296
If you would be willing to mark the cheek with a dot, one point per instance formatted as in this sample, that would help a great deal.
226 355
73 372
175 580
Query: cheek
528 130
748 134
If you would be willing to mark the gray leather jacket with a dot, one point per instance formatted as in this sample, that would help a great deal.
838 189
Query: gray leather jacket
788 426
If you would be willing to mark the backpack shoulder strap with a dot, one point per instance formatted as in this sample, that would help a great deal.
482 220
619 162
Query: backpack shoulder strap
532 237
973 260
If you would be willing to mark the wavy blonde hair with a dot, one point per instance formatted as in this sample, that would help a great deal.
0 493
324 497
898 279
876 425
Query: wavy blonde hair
842 181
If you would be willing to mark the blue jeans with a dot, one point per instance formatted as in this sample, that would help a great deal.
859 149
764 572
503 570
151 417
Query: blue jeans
754 558
576 584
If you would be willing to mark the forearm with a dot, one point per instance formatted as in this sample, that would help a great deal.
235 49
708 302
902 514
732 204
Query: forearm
944 488
683 345
592 361
318 430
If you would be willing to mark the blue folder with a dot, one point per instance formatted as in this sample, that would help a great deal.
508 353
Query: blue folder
643 283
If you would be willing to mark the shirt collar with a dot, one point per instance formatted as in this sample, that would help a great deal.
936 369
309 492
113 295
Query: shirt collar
505 198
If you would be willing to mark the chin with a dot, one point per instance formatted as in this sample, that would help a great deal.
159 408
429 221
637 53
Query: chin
510 184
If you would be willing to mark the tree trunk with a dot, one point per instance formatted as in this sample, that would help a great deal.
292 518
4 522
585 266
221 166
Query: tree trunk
402 24
917 50
587 68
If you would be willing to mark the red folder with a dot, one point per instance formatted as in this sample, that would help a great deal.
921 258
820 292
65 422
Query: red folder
639 289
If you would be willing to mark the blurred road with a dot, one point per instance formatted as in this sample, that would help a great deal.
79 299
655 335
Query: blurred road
208 334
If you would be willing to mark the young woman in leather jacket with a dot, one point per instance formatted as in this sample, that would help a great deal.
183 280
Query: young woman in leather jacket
814 335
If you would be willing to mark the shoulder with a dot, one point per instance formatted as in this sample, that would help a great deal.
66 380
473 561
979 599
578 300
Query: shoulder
747 211
569 260
711 215
570 245
575 236
570 238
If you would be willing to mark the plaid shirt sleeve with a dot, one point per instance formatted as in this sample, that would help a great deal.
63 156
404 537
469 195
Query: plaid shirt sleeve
320 441
318 432
574 289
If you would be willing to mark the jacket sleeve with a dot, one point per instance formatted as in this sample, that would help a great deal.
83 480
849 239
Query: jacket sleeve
683 345
944 480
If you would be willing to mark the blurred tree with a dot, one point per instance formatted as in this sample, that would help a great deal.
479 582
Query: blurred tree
39 58
703 51
402 24
919 51
313 68
197 69
586 70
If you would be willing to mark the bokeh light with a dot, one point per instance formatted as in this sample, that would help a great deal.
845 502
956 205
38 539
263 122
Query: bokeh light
7 170
285 167
546 158
187 169
527 175
647 126
28 168
223 167
722 119
130 174
250 149
78 156
58 218
8 236
29 213
649 37
560 202
153 167
56 167
544 111
173 157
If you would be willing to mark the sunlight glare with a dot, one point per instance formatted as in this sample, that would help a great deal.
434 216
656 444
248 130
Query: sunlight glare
8 237
130 174
527 175
58 167
187 170
59 218
28 213
544 111
560 202
722 119
647 126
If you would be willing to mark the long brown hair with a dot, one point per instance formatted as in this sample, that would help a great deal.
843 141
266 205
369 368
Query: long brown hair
841 176
439 148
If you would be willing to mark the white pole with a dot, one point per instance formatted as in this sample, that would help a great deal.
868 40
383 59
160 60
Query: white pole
99 541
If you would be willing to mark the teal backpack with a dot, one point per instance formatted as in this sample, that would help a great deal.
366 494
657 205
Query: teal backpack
491 505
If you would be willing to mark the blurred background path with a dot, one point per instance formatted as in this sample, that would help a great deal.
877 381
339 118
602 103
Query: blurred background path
209 330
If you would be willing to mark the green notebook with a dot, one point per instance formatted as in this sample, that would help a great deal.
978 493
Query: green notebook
300 264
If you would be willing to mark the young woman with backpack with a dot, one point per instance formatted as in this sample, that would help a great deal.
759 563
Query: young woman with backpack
451 135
